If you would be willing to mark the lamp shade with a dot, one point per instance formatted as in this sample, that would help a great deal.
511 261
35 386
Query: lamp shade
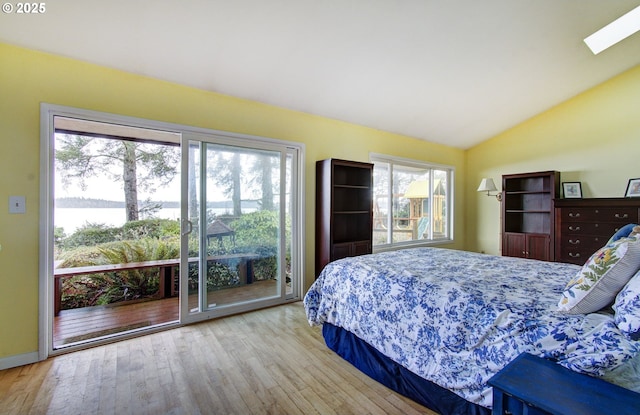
487 185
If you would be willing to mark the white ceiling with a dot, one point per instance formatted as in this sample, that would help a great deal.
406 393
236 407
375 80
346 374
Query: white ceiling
453 72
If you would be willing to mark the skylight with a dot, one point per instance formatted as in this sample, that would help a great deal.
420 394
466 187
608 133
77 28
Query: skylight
614 32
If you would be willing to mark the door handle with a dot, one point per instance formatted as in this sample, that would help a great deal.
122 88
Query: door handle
186 223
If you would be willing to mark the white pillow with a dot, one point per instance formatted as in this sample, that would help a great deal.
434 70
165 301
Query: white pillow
627 308
601 278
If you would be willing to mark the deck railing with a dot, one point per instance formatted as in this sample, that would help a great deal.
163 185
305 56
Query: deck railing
166 275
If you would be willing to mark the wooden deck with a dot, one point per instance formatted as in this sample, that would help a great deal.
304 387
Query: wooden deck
80 324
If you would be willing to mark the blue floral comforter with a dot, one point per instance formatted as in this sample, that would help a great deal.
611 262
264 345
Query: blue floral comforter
456 318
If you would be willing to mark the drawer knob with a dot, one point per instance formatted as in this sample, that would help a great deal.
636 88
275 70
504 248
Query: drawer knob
572 255
574 215
576 242
576 228
623 216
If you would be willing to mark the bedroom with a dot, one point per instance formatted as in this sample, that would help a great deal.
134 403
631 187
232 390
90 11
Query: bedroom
592 138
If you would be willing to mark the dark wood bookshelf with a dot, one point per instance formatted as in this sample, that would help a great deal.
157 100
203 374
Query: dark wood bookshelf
527 214
344 210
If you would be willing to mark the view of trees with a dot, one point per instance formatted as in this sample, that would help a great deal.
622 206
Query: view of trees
225 167
234 174
81 157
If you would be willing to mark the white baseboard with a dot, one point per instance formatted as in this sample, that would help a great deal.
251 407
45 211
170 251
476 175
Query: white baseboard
18 360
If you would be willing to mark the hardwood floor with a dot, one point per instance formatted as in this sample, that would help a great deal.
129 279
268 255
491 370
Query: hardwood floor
264 362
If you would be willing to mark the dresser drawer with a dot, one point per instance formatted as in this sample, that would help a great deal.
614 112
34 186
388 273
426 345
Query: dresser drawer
582 242
511 405
575 255
622 215
576 247
600 229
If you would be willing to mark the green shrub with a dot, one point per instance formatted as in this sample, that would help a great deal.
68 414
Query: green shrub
257 232
218 276
110 287
81 256
150 228
256 228
58 235
92 234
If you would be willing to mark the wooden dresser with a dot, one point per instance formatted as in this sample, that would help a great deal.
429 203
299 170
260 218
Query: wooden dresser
582 226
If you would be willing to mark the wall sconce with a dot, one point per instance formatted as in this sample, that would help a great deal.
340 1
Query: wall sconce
487 185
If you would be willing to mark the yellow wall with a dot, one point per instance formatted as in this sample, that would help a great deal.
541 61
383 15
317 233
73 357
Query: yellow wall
28 78
593 138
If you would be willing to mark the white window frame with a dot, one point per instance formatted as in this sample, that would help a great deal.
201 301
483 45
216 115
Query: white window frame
450 209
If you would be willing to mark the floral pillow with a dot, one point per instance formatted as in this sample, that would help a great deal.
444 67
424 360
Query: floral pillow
623 232
601 278
627 308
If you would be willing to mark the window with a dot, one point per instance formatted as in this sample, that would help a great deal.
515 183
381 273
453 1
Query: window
412 202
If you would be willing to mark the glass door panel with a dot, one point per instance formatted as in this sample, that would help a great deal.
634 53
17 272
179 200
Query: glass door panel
235 232
115 243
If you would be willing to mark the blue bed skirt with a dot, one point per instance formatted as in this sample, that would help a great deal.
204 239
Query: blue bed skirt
394 376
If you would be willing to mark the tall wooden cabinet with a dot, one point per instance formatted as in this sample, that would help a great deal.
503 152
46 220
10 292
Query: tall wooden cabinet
528 214
344 210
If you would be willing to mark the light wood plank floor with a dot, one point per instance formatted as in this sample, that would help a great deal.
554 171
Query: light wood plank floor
265 362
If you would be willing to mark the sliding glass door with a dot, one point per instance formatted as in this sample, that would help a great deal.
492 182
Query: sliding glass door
212 226
236 226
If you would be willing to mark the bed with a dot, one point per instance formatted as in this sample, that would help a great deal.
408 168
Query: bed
436 324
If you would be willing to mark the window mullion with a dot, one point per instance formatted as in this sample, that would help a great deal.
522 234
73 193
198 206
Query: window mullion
390 206
431 202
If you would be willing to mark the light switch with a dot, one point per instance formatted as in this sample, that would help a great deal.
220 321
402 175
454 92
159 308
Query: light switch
17 204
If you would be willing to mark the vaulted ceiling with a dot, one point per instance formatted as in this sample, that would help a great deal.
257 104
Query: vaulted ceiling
452 72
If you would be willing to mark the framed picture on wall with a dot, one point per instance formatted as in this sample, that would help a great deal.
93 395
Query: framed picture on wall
633 188
573 190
